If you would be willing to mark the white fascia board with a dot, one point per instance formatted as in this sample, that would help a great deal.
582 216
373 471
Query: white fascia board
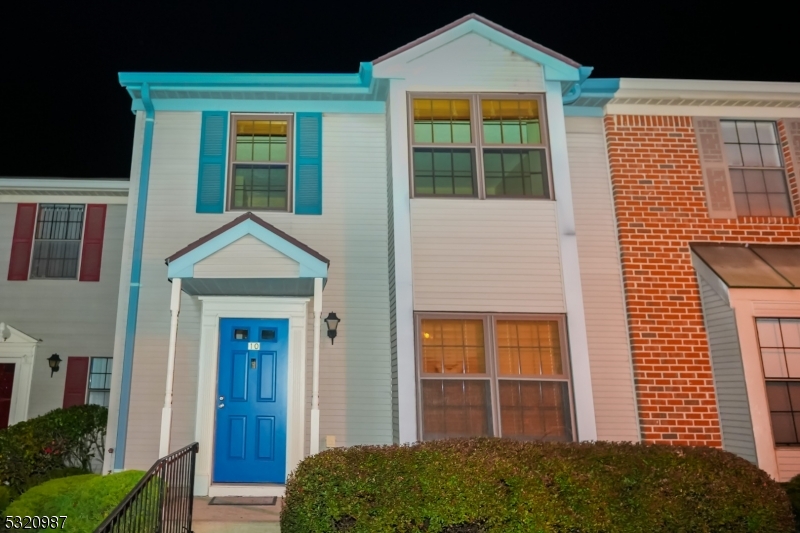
707 89
65 184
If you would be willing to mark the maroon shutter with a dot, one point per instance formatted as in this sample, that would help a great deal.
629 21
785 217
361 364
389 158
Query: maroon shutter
75 386
93 242
22 242
717 177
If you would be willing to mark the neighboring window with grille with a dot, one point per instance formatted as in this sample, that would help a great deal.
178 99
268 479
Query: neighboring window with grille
260 168
57 241
487 375
478 146
756 166
100 380
779 342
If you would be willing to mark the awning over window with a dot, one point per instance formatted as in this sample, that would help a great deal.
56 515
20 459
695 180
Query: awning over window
755 266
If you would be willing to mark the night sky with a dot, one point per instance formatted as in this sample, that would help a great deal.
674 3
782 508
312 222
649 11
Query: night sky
65 115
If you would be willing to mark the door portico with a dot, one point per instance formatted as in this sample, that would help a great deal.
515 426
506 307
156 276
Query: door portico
250 271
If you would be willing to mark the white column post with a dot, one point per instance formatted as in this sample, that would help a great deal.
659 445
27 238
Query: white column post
315 368
166 411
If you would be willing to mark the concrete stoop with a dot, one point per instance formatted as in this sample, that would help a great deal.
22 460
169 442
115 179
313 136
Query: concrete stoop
235 518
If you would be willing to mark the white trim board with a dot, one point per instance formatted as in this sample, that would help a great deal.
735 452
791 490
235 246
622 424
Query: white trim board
19 350
214 308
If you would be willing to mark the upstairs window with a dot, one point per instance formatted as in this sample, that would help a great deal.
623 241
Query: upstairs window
479 146
260 163
57 241
756 167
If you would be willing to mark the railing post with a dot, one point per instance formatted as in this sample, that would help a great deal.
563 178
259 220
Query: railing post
162 501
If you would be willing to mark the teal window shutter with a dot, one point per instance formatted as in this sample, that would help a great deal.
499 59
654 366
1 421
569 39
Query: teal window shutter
211 178
308 171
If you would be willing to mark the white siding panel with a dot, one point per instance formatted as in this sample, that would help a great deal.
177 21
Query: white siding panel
73 319
485 255
474 63
609 351
728 370
247 258
788 463
351 232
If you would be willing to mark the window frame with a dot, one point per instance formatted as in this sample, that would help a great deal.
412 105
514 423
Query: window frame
478 143
492 375
774 380
231 162
33 244
89 389
743 167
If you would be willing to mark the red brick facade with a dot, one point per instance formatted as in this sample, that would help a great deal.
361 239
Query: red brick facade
659 198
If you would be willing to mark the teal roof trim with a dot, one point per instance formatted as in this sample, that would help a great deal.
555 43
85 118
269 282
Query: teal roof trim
176 91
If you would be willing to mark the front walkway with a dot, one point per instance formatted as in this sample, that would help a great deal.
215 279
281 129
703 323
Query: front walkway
235 518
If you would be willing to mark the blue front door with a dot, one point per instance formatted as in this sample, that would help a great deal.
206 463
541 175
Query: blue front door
250 443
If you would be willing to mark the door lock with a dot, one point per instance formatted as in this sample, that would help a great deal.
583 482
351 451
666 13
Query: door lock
221 398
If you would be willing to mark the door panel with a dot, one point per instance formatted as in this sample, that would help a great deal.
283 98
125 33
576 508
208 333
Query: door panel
250 435
6 386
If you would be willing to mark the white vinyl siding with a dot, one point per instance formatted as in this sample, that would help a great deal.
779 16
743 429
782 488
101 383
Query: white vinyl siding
788 463
71 318
474 63
355 401
247 258
485 256
726 361
601 280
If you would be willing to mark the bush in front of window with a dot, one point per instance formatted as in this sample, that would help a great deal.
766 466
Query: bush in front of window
500 485
31 451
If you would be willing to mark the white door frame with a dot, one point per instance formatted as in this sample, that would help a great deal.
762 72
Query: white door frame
20 350
215 308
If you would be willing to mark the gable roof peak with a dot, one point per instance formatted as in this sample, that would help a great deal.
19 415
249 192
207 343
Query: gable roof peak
489 24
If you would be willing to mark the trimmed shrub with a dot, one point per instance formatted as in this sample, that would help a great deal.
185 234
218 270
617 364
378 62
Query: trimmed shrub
499 485
63 438
86 500
792 489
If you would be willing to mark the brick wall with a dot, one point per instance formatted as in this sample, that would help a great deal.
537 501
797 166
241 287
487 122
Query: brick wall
660 205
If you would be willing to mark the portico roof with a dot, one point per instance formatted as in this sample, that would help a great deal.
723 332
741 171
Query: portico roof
248 257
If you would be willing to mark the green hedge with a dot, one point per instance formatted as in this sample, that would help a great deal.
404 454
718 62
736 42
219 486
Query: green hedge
497 485
85 500
63 438
792 489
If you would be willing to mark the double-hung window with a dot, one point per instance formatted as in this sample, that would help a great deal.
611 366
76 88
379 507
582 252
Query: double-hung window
779 342
756 167
100 380
493 375
57 241
260 166
479 146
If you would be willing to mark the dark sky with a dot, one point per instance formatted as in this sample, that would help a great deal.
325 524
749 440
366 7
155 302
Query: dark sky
64 113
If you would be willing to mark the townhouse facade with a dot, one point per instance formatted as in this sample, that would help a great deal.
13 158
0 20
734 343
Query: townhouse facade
493 242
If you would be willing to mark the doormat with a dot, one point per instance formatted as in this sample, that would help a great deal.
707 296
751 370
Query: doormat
243 500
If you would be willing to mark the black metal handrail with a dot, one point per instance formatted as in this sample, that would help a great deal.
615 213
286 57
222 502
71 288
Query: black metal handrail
162 501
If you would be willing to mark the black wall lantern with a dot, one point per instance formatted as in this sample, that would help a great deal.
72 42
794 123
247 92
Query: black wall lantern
53 361
332 322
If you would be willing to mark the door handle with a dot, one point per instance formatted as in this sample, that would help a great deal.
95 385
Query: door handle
221 405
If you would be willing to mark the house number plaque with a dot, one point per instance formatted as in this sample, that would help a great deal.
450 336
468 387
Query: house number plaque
253 345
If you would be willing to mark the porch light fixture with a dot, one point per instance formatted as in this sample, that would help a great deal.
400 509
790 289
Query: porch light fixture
332 322
53 361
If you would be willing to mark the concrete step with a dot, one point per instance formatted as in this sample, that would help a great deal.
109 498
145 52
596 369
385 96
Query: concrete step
235 518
